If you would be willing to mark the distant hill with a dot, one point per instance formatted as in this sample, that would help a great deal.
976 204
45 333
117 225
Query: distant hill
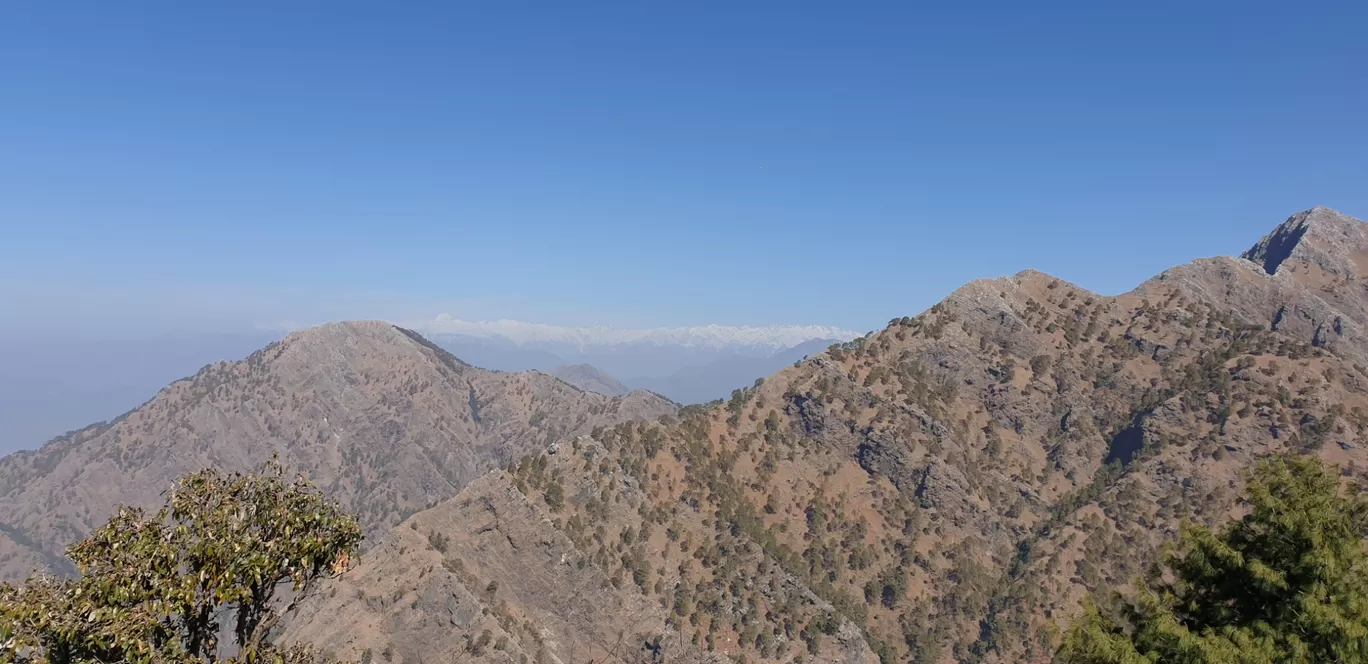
717 378
499 354
947 489
587 378
688 365
379 417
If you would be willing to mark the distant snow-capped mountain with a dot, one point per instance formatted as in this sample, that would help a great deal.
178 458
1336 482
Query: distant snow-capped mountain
687 364
773 337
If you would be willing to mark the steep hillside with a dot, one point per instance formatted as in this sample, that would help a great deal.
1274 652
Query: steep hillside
485 574
384 421
947 489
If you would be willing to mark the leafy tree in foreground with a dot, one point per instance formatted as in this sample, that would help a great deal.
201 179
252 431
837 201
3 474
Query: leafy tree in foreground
163 588
1286 584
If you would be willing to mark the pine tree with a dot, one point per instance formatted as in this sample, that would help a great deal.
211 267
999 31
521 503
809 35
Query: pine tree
1286 584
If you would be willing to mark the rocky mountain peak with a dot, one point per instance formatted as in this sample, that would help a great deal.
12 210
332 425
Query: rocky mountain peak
998 291
347 338
345 333
1319 238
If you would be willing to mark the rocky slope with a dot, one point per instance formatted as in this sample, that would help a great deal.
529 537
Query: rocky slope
384 421
947 489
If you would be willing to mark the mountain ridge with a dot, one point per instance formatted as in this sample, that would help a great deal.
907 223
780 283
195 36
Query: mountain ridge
943 489
385 421
948 488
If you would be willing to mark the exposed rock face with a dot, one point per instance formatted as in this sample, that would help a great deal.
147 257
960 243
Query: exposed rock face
945 489
1325 254
1320 238
382 420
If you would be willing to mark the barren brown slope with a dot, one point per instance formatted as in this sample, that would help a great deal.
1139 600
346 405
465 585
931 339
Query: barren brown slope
485 576
382 420
503 572
951 487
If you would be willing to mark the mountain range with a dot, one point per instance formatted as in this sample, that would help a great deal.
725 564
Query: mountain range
947 489
565 339
683 364
383 420
53 387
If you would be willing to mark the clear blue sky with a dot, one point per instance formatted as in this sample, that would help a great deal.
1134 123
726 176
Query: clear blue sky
228 164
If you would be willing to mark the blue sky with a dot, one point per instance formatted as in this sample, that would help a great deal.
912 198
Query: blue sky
217 166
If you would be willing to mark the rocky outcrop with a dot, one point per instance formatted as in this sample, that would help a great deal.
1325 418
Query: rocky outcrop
1331 242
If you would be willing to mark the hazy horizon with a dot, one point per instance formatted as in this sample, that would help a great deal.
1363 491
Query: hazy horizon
54 385
195 170
192 181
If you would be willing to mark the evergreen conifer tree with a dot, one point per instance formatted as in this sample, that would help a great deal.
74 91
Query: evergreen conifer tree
1285 584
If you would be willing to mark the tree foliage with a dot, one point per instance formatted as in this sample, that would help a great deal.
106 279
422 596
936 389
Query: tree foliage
228 554
1286 584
